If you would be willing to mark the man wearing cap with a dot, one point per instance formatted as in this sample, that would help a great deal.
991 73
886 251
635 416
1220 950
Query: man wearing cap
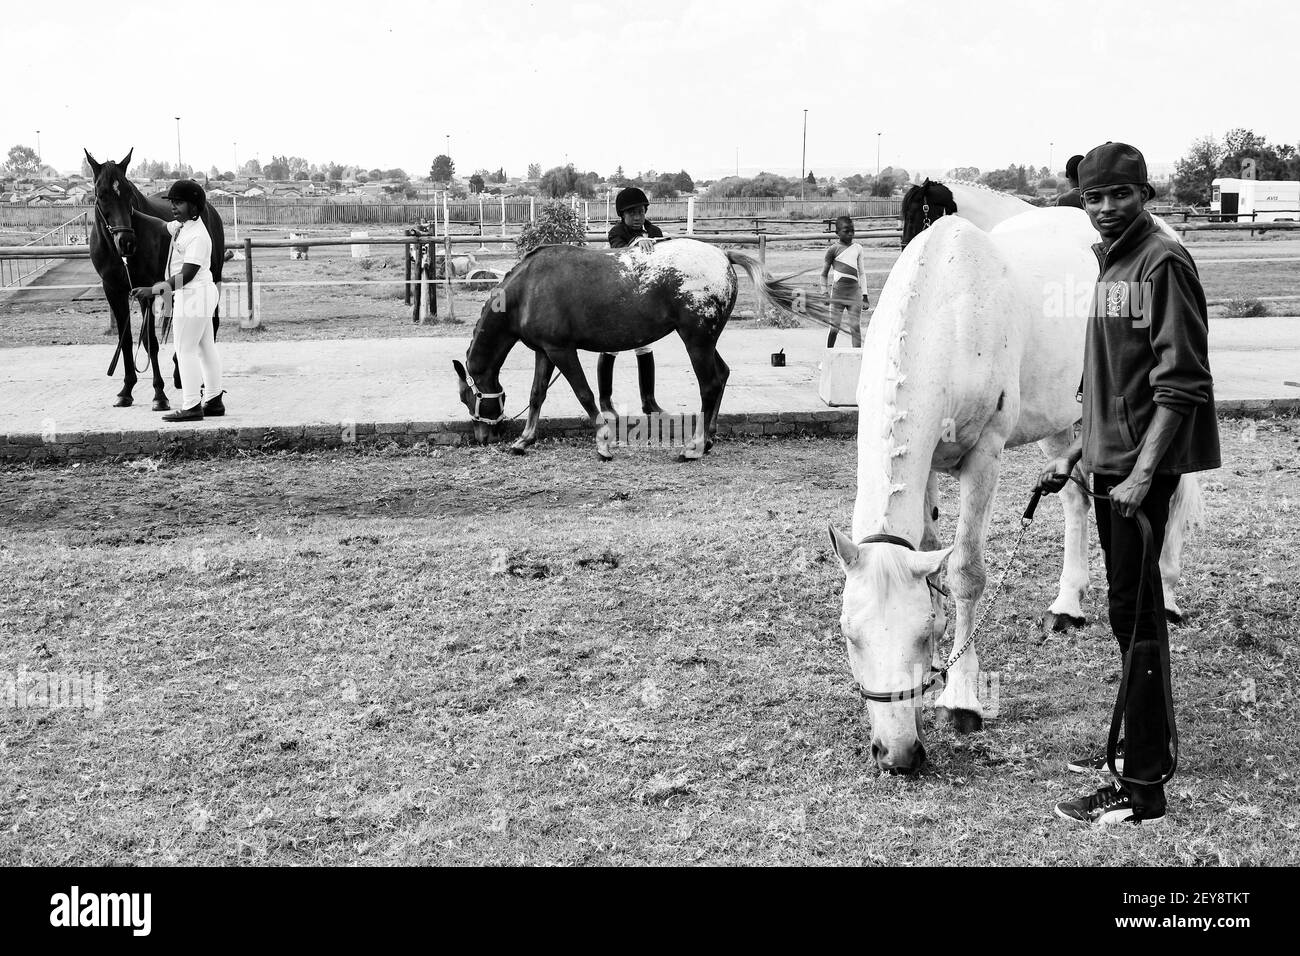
1071 196
194 301
1148 418
631 205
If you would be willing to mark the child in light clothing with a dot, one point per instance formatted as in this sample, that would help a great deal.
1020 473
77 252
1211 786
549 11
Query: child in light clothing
847 260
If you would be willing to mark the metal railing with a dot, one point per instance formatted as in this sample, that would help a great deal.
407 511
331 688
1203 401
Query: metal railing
14 272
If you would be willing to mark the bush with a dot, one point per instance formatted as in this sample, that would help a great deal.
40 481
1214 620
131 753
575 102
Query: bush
1244 308
557 223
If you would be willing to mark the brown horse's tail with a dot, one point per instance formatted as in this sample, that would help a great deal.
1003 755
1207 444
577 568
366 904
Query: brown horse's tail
785 298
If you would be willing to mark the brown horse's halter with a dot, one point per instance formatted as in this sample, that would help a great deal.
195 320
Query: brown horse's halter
478 401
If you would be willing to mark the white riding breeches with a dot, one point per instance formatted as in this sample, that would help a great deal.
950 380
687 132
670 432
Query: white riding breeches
196 350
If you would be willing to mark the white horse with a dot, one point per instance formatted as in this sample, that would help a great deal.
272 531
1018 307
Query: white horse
976 345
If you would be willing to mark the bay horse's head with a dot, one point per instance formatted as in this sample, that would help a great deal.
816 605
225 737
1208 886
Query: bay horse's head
486 408
113 201
922 205
892 620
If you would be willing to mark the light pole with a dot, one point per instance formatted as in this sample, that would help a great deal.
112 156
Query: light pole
178 146
38 152
803 163
737 162
877 156
1050 147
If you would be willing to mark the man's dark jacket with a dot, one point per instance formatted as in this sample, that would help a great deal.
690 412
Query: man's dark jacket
620 235
1147 345
1070 198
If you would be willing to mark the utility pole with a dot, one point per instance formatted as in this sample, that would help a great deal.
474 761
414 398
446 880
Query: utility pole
737 162
39 161
803 163
1050 147
877 157
178 146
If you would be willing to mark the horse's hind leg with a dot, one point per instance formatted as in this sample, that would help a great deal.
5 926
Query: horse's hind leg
704 359
1067 610
566 360
711 426
541 382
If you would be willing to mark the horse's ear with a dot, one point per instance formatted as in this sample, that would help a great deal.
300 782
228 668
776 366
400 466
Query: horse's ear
460 369
926 563
126 160
844 547
95 166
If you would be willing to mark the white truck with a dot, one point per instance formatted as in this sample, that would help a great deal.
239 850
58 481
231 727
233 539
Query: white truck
1236 199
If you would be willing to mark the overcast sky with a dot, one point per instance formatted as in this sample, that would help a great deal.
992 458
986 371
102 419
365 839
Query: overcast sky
662 84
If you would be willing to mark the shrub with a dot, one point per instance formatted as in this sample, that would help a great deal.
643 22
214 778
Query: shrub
557 223
1244 308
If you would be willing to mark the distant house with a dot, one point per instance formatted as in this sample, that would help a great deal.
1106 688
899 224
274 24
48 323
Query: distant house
78 192
217 192
47 190
254 192
9 196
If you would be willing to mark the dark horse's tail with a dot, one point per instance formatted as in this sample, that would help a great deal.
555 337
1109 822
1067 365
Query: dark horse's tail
791 300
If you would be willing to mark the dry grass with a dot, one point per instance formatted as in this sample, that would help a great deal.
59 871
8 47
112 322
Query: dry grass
463 657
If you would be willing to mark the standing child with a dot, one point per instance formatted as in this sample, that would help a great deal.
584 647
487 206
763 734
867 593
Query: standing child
848 261
631 205
189 281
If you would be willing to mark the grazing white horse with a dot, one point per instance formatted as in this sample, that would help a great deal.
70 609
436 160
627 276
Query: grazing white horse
976 346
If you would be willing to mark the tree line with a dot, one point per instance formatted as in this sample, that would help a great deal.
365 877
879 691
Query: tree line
1209 158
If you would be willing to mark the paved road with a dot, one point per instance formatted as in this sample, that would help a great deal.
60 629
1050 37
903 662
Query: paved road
399 380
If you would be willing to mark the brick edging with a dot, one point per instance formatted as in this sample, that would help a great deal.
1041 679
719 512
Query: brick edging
187 442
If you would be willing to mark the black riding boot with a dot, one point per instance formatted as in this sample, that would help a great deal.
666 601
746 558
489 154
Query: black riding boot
645 370
605 381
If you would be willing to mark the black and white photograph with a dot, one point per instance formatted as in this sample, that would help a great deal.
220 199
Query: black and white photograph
650 434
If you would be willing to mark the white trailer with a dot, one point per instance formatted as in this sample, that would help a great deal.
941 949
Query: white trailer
1277 201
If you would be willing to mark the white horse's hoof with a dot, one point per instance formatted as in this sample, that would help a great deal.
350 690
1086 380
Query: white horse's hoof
1060 623
962 720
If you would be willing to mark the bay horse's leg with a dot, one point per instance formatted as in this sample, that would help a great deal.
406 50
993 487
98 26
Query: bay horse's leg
1067 610
119 304
160 403
541 382
1186 511
959 702
704 359
566 360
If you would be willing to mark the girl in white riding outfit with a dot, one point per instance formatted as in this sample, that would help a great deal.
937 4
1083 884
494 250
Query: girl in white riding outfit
194 301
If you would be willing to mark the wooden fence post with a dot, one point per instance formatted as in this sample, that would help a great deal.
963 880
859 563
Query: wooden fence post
406 289
762 261
418 288
446 263
253 320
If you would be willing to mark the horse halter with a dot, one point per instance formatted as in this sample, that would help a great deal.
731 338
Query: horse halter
479 396
935 673
113 231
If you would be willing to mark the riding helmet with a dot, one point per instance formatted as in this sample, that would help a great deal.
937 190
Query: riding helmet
187 190
629 197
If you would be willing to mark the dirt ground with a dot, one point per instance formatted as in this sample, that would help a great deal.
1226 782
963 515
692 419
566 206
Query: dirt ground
459 656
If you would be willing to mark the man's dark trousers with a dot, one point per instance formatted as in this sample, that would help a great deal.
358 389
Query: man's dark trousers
1146 734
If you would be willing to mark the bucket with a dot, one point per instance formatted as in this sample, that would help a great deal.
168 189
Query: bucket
778 359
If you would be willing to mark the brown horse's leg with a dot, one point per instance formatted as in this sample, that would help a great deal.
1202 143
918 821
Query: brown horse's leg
704 359
541 382
160 403
119 304
566 360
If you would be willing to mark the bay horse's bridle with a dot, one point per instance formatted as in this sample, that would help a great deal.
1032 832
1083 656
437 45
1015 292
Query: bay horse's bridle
479 396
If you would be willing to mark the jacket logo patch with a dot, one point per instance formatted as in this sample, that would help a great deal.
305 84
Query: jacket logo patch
1116 300
1125 300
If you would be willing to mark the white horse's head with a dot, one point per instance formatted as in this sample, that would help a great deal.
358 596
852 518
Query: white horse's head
892 620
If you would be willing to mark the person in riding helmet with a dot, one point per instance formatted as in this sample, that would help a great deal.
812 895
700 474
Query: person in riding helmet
631 205
194 301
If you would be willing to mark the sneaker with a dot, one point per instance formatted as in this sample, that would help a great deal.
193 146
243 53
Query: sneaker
1107 806
1096 762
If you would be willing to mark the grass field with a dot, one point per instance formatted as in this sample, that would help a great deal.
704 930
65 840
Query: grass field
293 312
457 656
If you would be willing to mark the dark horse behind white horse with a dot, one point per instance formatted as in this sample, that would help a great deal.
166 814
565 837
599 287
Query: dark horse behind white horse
128 247
559 299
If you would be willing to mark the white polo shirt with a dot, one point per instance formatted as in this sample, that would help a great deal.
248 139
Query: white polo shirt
190 244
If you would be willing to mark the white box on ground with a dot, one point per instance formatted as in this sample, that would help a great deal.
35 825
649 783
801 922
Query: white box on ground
360 251
839 376
297 252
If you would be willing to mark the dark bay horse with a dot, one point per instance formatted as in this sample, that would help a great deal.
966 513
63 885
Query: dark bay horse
559 299
128 246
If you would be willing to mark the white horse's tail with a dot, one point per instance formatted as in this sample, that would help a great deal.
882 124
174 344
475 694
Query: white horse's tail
1187 509
789 299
